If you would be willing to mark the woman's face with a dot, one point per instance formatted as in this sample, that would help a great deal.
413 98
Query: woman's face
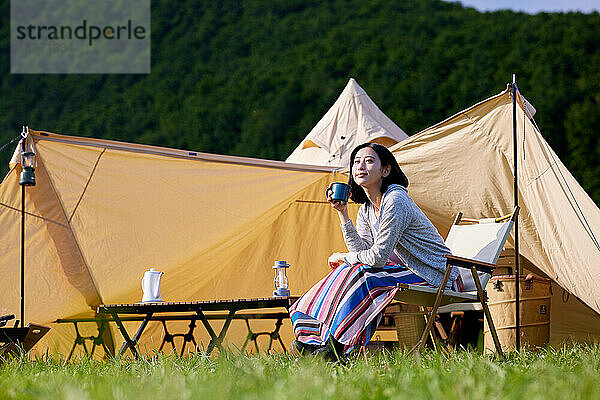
367 170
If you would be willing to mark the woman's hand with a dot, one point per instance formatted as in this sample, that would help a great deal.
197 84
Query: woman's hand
341 208
337 205
335 260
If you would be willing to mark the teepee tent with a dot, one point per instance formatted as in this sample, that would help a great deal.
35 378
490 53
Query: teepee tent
465 163
353 119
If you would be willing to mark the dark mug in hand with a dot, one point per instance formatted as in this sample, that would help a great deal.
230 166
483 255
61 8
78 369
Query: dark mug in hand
338 191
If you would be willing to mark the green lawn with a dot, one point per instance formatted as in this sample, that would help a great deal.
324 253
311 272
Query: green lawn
571 372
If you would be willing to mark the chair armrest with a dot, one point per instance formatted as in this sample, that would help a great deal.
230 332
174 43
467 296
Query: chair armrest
468 263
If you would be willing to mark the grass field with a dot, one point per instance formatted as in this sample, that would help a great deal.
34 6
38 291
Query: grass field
570 372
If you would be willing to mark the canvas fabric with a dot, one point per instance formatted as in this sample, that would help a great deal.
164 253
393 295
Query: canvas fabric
482 242
353 119
104 212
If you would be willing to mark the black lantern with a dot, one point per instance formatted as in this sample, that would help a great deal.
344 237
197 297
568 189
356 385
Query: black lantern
28 168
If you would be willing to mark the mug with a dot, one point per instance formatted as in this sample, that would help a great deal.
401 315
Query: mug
338 191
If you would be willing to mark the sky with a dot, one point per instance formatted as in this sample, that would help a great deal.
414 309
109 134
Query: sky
534 6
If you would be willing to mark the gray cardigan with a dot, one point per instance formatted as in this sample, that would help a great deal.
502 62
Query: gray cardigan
404 229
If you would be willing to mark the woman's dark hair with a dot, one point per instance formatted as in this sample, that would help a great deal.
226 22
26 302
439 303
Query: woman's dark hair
357 193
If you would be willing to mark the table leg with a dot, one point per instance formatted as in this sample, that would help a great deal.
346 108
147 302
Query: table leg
209 329
214 339
78 340
128 341
85 347
248 336
72 350
225 328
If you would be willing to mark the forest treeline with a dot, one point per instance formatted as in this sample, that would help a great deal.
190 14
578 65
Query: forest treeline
252 78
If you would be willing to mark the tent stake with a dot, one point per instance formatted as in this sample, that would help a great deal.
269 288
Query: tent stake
516 194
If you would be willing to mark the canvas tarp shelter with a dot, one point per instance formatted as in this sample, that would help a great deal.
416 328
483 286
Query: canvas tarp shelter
353 119
465 163
103 212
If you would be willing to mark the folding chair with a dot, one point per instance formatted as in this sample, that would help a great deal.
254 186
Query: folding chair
475 246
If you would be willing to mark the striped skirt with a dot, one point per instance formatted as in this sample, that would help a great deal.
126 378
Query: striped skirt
348 303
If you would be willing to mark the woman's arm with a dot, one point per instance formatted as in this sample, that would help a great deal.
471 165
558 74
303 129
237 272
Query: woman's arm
359 238
356 240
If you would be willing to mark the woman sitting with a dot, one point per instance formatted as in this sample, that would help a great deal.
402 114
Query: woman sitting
393 242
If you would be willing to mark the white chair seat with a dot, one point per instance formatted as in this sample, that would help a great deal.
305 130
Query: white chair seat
447 309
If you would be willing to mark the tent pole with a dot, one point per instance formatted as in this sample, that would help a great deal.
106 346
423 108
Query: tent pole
23 252
516 194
